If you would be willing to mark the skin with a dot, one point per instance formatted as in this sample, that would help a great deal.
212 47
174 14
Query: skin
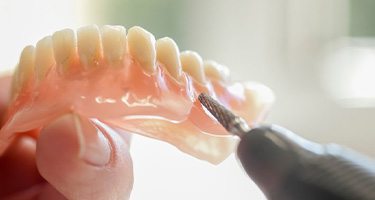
51 166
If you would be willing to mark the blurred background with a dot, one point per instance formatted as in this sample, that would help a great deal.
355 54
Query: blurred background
318 56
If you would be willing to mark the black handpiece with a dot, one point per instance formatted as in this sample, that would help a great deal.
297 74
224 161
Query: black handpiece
288 167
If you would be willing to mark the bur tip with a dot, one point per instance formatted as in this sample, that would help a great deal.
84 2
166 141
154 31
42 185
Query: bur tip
232 123
221 114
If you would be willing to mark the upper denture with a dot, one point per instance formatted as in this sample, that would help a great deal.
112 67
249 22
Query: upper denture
132 82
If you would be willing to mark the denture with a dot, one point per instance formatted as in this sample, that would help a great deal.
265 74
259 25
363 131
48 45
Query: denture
130 82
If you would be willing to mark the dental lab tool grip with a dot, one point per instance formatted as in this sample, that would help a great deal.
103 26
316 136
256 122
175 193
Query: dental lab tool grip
288 167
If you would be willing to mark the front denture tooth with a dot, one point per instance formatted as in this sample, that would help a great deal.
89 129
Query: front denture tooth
89 46
141 45
215 71
25 69
64 46
114 43
44 58
167 53
192 64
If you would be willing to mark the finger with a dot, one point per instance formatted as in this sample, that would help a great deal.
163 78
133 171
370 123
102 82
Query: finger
42 191
48 192
4 94
83 161
18 171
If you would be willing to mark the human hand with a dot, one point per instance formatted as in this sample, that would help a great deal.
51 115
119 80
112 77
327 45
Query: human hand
72 158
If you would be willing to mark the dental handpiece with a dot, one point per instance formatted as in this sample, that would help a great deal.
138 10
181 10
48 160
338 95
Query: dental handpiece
286 166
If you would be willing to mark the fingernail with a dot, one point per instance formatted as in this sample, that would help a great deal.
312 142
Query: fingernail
94 146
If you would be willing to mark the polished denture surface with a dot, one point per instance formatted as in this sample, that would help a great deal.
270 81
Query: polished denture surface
132 82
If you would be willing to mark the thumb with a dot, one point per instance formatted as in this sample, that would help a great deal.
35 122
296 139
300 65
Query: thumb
84 159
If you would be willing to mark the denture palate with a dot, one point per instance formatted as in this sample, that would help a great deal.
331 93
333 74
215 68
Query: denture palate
129 81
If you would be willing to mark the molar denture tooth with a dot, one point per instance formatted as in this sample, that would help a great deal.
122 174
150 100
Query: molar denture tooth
215 71
192 64
65 49
44 58
89 46
114 43
168 53
25 70
259 98
141 45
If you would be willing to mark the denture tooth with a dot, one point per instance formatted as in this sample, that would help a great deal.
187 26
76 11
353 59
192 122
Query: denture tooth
25 70
259 99
44 58
141 45
114 43
215 71
192 64
64 46
89 46
167 53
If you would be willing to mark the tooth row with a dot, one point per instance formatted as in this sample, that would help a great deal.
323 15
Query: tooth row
25 69
258 99
65 51
142 46
114 43
111 43
89 46
168 54
44 57
193 65
215 71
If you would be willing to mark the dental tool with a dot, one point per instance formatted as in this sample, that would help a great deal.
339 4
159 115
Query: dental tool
286 166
